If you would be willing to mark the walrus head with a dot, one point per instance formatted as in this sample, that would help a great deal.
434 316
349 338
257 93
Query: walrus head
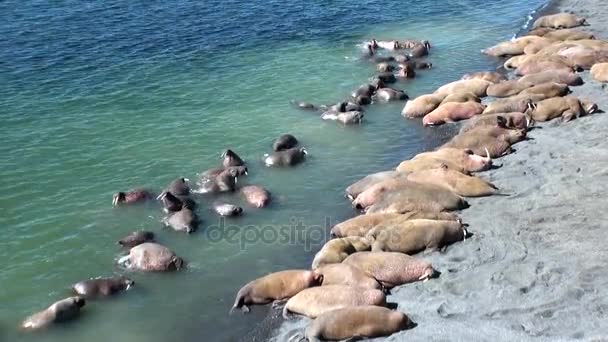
118 197
317 278
426 44
79 301
303 151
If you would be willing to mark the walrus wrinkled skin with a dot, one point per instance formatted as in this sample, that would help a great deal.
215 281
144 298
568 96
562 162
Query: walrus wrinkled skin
474 86
284 142
514 47
256 195
496 141
514 120
460 97
182 221
457 182
400 196
390 268
422 105
336 250
568 78
517 61
357 322
353 190
462 159
211 174
136 238
151 257
289 157
452 112
568 108
227 209
362 224
559 21
102 287
549 89
230 158
315 301
599 72
390 94
411 237
225 181
518 103
532 67
490 76
171 203
61 311
561 35
343 274
131 196
179 187
276 286
507 88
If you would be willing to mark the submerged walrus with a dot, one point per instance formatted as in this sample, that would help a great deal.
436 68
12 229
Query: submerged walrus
230 158
136 238
276 286
102 287
151 257
284 142
59 312
289 157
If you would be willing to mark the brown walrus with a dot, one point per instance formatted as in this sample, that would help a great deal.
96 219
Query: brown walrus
136 238
102 287
390 268
256 195
336 250
151 257
559 21
59 312
343 274
315 301
276 286
422 105
457 182
358 322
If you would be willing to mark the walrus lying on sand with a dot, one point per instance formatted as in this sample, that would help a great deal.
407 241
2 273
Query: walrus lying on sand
391 269
336 250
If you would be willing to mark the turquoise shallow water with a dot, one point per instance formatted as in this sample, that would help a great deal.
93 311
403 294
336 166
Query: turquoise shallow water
99 97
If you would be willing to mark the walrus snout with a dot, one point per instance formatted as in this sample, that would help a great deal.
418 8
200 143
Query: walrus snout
79 301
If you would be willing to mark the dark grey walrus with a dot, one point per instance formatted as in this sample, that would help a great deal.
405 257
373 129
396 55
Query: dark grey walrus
289 157
284 142
102 287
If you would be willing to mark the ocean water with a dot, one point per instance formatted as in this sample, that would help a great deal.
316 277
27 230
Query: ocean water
98 97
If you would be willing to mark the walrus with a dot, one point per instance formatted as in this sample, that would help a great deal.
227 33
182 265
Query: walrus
462 160
357 322
343 274
507 88
386 77
284 142
346 118
559 21
385 67
567 108
362 224
514 120
61 311
184 220
563 77
227 209
353 190
179 187
422 105
151 257
410 196
457 182
517 61
209 175
406 70
256 195
390 94
474 86
520 104
514 47
131 196
532 67
561 35
315 301
599 72
224 182
367 89
452 112
173 203
289 157
102 287
411 237
490 76
304 105
390 268
336 250
549 89
136 238
230 158
585 59
493 140
276 286
460 97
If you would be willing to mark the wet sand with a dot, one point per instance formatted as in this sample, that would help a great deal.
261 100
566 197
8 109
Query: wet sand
536 265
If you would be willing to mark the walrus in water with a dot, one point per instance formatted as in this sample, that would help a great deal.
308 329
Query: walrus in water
289 157
256 195
136 238
131 196
102 287
173 203
151 257
62 311
284 142
230 158
276 286
184 220
179 187
227 209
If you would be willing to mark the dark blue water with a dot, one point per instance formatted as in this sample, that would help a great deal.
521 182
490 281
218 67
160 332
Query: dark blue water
97 97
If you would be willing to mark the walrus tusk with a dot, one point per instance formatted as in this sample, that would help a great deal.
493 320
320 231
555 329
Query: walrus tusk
304 151
464 232
124 260
114 201
186 180
487 154
161 196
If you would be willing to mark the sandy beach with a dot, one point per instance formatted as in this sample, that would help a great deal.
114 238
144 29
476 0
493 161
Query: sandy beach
535 267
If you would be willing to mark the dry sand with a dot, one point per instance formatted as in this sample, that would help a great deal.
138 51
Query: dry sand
537 266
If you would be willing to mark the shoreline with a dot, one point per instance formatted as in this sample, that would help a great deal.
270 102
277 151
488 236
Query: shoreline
523 275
